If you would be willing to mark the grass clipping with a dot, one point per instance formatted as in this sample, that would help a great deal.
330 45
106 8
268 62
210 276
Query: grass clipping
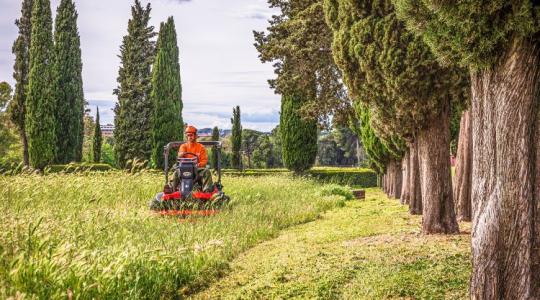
370 249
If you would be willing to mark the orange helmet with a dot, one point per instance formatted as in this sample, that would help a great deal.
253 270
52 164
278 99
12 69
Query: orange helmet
190 129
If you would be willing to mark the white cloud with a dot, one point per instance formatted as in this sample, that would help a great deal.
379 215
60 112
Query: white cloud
257 11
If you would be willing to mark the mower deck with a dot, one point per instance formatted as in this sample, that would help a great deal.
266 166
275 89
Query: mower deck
197 203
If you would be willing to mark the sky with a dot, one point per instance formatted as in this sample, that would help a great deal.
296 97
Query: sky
219 65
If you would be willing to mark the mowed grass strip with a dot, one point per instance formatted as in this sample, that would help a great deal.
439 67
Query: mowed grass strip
91 235
370 249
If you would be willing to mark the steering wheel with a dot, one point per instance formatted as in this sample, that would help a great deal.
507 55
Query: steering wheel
191 153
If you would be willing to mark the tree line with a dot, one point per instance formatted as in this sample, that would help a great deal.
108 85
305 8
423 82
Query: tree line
51 118
48 106
411 70
256 149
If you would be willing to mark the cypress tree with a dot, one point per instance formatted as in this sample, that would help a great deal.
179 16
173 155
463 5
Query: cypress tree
133 111
298 136
21 70
166 93
383 153
377 153
40 105
408 91
236 139
215 137
97 140
68 87
499 42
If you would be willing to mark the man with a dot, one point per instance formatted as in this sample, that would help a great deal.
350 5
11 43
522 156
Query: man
193 147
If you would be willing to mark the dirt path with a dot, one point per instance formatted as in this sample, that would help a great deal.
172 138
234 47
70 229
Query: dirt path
366 250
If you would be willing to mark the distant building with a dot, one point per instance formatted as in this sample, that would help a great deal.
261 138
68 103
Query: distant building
204 132
225 132
107 130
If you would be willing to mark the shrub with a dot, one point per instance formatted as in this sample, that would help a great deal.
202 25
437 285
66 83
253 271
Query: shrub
339 190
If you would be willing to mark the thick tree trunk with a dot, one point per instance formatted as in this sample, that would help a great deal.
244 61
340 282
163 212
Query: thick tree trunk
506 176
463 177
398 180
436 178
393 179
405 187
387 184
415 191
383 183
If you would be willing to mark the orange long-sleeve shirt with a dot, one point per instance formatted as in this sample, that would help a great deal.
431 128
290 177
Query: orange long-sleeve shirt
198 149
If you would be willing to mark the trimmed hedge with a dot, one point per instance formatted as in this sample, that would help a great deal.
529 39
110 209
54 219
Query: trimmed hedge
260 172
344 176
78 167
226 171
348 176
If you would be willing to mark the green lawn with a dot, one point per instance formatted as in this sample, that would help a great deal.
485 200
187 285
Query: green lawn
91 234
367 250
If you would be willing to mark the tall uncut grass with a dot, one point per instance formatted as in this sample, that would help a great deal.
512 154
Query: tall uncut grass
91 235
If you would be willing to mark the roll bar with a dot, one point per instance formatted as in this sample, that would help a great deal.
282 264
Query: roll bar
175 145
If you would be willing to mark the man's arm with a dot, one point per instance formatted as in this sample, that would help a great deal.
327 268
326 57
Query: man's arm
203 159
181 150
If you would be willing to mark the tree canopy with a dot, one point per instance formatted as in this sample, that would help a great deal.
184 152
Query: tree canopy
472 33
388 68
298 42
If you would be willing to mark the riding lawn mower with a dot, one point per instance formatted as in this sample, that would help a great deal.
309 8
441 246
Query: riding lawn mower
187 197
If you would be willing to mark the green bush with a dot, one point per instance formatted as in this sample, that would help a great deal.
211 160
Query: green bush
77 167
345 176
339 190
